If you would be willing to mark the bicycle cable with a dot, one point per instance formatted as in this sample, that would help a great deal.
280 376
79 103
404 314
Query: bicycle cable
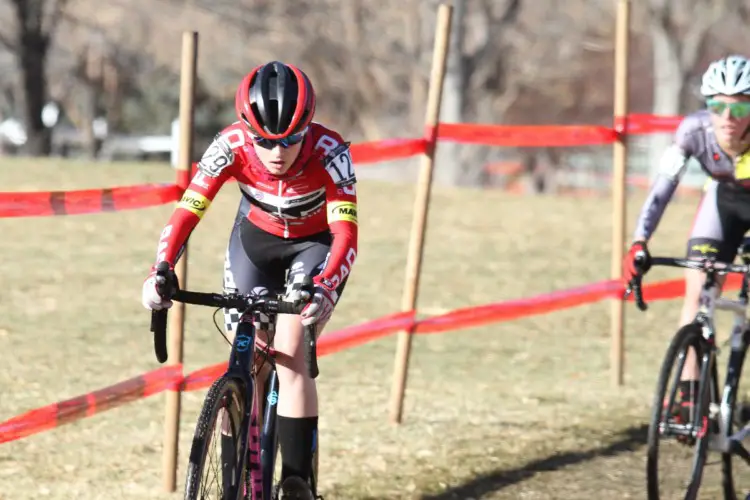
216 324
265 355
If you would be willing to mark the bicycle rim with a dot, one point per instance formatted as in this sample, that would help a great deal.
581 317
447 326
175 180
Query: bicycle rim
225 394
688 335
708 396
727 459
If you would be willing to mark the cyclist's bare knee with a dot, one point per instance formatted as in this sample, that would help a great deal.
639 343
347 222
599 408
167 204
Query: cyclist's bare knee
693 282
288 343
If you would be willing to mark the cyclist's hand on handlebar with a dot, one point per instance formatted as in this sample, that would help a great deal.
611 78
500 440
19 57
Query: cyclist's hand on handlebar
637 262
320 298
151 297
319 310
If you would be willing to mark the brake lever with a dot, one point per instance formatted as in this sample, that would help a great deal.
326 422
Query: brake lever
159 318
634 288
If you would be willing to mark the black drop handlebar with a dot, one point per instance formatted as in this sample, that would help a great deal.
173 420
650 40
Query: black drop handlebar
708 266
168 287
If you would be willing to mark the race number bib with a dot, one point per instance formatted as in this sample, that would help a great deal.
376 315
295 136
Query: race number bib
217 157
340 166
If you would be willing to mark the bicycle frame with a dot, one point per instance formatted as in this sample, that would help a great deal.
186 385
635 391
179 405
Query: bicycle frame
710 301
262 458
739 340
239 368
261 443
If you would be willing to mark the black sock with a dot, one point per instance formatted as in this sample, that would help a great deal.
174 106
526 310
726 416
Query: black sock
296 438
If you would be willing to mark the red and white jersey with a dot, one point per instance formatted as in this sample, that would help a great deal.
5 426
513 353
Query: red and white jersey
318 193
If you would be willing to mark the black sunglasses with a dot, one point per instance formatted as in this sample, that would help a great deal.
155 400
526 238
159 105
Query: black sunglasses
284 143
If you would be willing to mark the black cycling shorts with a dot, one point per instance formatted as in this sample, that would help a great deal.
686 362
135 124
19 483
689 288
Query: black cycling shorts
721 222
260 262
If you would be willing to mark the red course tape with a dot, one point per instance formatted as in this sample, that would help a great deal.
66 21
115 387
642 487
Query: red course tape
56 414
87 201
19 204
28 204
170 377
526 135
392 149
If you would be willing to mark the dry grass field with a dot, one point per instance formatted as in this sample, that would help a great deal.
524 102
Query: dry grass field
516 410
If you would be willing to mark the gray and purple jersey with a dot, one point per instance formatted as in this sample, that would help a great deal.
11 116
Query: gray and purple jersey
694 138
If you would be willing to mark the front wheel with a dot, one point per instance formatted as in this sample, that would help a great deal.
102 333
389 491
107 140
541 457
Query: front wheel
224 403
689 429
736 482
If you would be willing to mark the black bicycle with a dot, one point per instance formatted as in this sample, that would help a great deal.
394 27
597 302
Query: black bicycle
248 424
710 420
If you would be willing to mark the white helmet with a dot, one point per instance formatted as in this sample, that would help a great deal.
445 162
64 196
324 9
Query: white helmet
727 76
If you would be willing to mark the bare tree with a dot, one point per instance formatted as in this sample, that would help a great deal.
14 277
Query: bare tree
36 22
505 56
678 30
464 69
511 61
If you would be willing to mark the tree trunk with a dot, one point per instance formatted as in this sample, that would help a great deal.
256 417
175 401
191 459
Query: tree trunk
449 169
669 83
418 86
32 56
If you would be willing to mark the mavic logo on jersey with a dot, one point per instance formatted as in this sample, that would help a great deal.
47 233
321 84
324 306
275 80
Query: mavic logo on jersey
342 211
194 202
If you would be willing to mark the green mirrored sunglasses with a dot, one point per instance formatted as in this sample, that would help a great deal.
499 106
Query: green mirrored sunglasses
736 109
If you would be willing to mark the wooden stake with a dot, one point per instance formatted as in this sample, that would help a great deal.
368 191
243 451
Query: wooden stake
177 312
620 160
421 206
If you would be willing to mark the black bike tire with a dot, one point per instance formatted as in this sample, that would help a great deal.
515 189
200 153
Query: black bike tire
727 478
314 474
685 336
701 448
205 426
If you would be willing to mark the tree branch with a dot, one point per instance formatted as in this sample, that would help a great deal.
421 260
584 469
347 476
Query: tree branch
55 16
706 15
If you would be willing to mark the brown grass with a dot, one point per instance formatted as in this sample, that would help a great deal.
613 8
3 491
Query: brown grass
522 409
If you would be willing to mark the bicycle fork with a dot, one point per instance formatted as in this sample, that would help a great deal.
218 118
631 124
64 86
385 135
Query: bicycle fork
722 441
250 442
268 438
